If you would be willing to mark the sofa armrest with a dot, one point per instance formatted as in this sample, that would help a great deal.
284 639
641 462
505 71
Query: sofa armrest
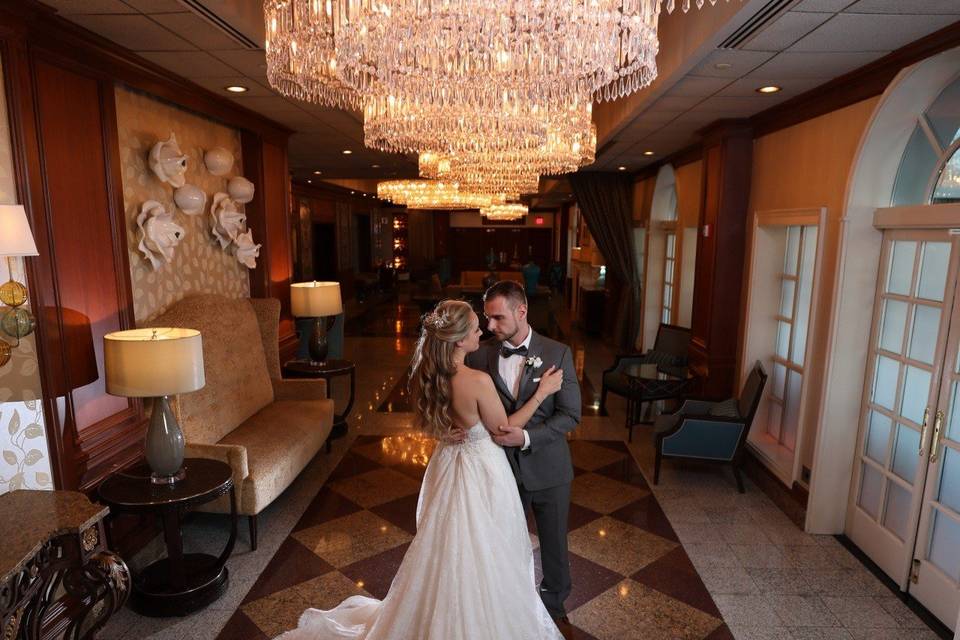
299 389
703 437
234 455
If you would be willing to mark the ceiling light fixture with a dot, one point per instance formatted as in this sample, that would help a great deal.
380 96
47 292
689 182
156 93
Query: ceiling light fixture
769 89
237 88
722 66
347 152
622 168
316 173
648 153
374 166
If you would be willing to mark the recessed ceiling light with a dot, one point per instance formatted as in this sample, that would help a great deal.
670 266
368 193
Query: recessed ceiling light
237 88
309 181
722 66
352 192
375 166
768 89
347 152
316 173
648 153
622 168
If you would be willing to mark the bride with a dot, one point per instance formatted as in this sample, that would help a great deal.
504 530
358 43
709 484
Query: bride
468 574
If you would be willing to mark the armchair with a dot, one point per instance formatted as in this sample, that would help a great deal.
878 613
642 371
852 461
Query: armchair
669 349
715 431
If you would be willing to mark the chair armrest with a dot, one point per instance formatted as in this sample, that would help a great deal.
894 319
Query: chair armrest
234 455
299 389
696 408
625 360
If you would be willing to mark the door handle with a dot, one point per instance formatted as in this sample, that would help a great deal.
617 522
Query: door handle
923 429
935 445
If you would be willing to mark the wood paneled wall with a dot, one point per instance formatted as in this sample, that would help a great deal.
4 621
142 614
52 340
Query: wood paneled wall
60 84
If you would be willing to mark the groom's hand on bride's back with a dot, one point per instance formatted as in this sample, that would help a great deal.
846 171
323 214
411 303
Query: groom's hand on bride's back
508 436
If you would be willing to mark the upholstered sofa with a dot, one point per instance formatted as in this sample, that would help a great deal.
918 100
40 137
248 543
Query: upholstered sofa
266 428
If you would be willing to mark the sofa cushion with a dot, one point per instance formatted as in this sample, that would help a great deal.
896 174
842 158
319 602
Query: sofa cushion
280 440
237 381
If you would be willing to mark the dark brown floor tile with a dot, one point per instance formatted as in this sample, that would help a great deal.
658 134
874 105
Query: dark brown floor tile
411 470
291 564
589 580
625 471
352 464
401 512
578 517
375 574
675 575
647 514
616 445
720 633
240 627
328 505
570 632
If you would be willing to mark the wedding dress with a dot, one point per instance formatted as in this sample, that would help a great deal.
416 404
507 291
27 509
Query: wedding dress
467 575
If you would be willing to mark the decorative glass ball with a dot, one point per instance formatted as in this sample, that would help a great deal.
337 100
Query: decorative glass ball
13 294
17 323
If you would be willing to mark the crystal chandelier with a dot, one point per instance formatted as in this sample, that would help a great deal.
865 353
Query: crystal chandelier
511 211
431 194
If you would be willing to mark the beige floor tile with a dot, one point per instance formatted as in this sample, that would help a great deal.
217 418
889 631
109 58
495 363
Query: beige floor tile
376 487
351 538
603 494
280 611
617 545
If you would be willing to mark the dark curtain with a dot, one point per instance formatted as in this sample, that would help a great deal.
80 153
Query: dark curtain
606 203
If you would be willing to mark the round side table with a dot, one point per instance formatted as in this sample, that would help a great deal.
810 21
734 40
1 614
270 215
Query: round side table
180 583
327 370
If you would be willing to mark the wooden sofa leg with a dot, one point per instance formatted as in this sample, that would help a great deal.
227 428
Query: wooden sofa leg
738 478
656 467
252 520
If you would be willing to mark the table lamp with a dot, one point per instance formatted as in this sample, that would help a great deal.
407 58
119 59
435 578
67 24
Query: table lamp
16 240
156 363
317 300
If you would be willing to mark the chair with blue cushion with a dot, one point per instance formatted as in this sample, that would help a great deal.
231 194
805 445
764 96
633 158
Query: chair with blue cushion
712 431
669 349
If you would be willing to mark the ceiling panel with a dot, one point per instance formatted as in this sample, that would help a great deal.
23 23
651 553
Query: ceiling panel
747 87
822 5
217 84
808 64
156 6
738 106
943 7
195 29
871 32
193 64
676 103
700 86
74 7
135 32
730 63
786 30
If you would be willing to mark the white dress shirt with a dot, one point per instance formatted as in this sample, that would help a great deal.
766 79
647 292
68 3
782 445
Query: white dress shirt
510 370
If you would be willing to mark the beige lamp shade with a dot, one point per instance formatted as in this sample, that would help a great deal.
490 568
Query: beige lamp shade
315 299
144 363
16 239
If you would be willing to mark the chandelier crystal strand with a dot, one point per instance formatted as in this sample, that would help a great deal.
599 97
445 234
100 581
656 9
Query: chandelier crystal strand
510 211
432 194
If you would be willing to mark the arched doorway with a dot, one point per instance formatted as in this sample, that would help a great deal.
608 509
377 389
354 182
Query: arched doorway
887 421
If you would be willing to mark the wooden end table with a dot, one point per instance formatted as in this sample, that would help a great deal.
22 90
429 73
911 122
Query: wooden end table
182 582
650 382
327 370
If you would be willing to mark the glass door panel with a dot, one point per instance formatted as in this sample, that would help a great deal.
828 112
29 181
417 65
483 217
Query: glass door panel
907 347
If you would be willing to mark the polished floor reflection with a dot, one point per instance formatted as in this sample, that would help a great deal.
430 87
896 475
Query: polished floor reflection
631 576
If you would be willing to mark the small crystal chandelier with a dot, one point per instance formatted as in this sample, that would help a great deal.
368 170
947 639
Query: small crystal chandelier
509 211
431 194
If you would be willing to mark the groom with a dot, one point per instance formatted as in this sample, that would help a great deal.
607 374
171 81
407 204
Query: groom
515 358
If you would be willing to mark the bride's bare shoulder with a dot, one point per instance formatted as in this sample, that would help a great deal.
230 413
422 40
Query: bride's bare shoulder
475 378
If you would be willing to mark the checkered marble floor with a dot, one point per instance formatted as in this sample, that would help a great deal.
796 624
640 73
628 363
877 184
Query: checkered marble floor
631 576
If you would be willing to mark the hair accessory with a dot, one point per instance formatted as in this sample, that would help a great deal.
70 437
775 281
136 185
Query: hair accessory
436 321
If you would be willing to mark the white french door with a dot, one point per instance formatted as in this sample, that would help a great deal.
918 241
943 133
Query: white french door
904 507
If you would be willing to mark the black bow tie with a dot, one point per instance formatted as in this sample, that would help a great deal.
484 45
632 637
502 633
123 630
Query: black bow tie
506 352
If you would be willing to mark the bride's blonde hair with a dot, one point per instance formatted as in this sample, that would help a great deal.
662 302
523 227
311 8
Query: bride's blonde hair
433 367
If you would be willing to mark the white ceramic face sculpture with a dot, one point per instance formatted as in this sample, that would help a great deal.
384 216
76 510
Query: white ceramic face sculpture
218 161
191 199
247 251
240 189
227 222
167 161
159 234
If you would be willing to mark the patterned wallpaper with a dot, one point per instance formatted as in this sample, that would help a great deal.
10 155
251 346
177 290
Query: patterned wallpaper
199 264
24 456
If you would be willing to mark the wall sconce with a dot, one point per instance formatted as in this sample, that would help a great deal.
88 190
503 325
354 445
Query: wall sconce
15 240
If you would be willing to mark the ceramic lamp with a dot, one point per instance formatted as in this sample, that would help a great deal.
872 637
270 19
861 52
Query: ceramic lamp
157 363
318 300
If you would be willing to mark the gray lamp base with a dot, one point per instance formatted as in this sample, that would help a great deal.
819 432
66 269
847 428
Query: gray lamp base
164 444
318 346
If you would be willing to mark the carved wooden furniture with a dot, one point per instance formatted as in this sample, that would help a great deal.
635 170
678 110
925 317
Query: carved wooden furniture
180 583
58 579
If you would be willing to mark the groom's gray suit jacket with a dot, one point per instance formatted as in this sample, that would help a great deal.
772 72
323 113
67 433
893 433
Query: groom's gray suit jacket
546 463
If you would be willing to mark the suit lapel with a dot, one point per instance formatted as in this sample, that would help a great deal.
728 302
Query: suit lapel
493 368
527 387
